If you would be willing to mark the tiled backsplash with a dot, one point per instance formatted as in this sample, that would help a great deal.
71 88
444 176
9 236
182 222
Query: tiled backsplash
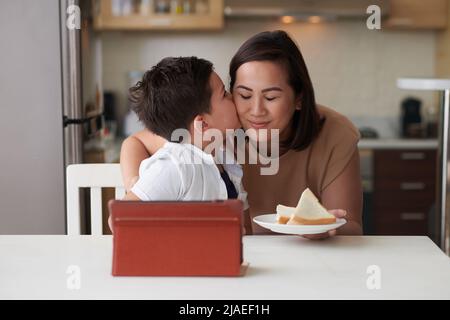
386 127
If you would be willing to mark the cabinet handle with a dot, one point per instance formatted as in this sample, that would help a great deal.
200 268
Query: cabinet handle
412 155
408 186
412 216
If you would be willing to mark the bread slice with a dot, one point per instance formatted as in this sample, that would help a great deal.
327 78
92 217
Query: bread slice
284 213
309 211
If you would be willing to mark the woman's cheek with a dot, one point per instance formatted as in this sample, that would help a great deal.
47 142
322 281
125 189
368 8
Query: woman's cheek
230 115
242 114
240 110
235 118
281 112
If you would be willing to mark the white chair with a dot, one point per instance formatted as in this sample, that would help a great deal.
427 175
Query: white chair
93 176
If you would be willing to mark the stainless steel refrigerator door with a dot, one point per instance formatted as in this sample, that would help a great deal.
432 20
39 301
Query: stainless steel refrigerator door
444 140
72 93
71 78
32 159
443 191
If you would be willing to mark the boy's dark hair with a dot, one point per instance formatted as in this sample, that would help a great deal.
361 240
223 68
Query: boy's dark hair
277 46
172 93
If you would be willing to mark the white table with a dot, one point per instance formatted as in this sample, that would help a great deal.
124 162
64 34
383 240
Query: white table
281 267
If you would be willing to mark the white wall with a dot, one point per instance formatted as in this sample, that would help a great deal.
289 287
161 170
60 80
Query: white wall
354 70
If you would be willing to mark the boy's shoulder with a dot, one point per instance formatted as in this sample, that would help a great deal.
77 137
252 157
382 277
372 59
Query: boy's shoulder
188 154
180 155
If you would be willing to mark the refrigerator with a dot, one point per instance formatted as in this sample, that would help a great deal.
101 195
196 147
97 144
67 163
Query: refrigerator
51 104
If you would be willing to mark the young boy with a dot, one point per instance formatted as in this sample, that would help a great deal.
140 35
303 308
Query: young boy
185 93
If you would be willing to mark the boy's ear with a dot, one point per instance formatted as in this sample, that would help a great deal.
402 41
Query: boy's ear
200 124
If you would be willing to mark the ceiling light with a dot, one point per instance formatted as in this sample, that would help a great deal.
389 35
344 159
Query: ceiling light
287 19
315 19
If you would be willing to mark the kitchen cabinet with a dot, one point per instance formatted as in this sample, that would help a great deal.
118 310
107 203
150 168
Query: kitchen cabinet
158 15
442 62
404 191
417 14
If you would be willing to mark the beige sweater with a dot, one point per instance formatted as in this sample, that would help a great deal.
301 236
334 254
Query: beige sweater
314 167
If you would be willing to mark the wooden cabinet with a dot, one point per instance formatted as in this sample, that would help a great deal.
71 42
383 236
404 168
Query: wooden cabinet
404 191
417 14
442 62
158 15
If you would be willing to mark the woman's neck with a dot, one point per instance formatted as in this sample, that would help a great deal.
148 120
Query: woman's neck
268 149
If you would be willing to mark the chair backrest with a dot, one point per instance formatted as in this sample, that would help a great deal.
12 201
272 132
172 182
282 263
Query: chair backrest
93 176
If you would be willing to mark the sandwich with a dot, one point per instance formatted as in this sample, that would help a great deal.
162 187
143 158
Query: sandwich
284 213
309 211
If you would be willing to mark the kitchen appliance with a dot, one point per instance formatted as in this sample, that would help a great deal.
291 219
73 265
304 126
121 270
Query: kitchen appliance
368 133
411 118
110 114
442 220
54 104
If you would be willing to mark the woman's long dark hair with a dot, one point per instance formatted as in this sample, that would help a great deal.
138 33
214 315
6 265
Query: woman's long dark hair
278 47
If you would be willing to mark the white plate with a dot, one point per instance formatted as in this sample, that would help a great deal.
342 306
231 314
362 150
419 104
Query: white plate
269 221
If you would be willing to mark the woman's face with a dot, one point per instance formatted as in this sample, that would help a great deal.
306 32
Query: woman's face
263 97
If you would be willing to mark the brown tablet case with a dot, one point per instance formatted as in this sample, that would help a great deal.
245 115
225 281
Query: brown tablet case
176 238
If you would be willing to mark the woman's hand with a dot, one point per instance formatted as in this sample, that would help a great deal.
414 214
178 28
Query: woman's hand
338 213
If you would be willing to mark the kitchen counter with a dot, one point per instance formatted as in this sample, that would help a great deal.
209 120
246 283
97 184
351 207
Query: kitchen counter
281 267
398 143
103 150
112 152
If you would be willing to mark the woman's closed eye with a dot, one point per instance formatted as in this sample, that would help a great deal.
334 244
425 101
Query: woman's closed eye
248 97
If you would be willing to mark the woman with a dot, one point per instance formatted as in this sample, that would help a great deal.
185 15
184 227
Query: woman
272 89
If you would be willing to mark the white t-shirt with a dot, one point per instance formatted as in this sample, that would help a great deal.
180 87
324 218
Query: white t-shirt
186 173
